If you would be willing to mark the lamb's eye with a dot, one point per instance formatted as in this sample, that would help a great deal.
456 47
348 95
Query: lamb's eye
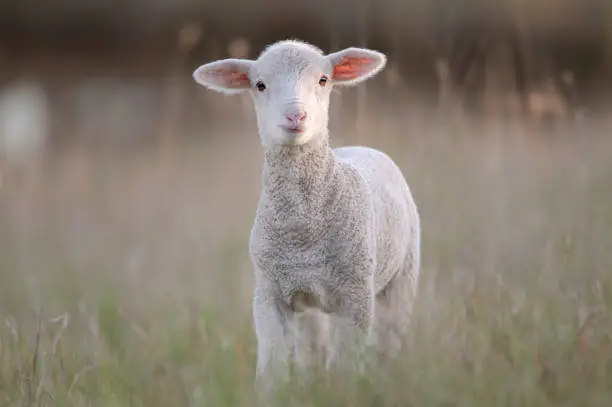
323 80
260 86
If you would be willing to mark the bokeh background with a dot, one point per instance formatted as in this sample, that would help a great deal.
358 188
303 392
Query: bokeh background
127 194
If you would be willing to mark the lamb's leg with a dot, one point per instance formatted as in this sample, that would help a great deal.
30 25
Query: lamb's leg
273 329
311 338
352 326
393 312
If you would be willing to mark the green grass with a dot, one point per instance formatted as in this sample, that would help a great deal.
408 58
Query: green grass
513 308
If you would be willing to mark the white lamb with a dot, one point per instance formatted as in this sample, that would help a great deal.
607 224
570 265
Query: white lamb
336 230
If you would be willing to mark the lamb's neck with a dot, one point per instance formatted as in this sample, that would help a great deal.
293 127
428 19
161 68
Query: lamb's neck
304 175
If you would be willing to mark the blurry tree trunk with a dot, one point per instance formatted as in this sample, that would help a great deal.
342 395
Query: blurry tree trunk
448 96
171 118
457 89
169 121
337 107
461 50
518 50
362 90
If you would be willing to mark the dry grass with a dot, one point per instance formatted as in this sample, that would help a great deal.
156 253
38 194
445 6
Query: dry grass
131 285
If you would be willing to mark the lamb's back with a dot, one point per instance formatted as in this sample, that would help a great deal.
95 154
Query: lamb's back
396 216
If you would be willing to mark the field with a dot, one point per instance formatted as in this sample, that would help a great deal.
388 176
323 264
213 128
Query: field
125 278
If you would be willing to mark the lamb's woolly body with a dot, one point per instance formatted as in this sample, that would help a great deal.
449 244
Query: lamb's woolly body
336 230
327 216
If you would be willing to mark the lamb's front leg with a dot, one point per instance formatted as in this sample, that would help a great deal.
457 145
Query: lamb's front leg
273 330
352 325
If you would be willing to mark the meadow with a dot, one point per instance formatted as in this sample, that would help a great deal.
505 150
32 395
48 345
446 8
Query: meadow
125 278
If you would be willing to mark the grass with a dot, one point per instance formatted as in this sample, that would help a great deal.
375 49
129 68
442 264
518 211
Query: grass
136 291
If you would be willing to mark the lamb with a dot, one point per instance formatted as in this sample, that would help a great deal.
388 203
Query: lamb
335 243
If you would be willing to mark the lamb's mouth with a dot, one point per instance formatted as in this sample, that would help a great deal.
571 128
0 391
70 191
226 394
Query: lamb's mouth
294 130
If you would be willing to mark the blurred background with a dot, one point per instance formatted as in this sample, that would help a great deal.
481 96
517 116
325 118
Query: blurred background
127 194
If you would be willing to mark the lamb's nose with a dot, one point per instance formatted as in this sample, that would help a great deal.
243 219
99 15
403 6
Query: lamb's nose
296 116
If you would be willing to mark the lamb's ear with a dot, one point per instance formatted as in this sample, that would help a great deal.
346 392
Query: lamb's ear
229 76
355 65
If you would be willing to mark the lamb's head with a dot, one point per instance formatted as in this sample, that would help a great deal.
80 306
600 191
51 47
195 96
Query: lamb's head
291 82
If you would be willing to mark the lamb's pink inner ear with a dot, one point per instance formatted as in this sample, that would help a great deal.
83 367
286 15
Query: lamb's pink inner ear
351 67
231 78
